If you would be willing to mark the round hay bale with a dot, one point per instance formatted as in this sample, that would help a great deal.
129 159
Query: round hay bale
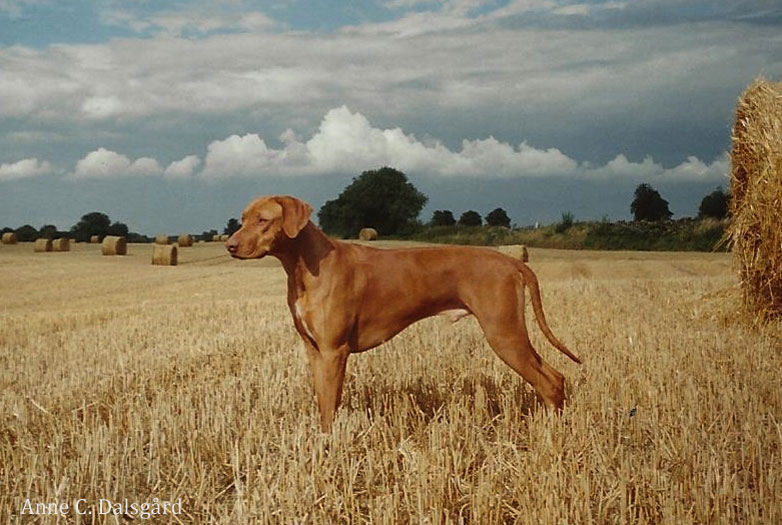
161 239
367 234
63 244
43 245
756 188
114 245
185 240
216 238
95 239
517 251
9 238
224 237
164 255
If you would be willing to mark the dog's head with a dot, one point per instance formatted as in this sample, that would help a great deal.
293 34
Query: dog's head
266 223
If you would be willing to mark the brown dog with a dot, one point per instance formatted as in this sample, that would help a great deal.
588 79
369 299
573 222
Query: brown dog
346 298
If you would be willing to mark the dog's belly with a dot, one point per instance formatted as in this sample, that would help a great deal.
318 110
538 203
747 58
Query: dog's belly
376 330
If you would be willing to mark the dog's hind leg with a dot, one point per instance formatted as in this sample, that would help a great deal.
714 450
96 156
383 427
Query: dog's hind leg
502 323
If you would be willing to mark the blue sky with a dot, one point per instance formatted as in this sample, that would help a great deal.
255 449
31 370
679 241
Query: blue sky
171 116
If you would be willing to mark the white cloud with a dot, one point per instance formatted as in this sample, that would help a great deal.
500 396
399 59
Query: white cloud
102 107
24 168
200 19
145 166
347 142
183 168
104 163
693 169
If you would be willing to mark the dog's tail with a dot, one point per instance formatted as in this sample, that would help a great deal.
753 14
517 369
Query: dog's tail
537 306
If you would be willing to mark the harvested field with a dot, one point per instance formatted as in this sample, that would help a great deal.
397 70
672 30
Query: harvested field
136 383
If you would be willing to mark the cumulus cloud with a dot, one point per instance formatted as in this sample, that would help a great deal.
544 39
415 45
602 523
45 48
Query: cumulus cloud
104 163
346 141
24 168
183 168
145 166
692 169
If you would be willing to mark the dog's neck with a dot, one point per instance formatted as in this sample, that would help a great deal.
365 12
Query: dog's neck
302 255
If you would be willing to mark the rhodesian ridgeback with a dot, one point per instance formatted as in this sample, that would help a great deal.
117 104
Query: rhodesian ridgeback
346 298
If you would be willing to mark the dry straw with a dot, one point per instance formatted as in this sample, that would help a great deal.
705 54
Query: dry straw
224 237
185 240
63 244
367 234
43 245
216 238
114 245
9 238
517 251
756 186
164 255
161 239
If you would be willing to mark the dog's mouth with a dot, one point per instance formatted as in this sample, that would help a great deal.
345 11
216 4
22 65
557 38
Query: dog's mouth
242 256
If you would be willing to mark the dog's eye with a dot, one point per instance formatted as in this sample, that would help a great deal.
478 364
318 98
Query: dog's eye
261 220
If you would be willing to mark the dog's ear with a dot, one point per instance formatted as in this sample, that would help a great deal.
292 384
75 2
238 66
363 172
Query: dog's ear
295 214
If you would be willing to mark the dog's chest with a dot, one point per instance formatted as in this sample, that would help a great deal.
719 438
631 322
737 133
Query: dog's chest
299 313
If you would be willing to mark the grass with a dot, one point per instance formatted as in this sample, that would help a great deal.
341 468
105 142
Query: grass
119 380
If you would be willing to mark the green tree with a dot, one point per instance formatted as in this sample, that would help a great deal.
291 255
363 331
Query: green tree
442 218
94 223
232 226
498 217
470 218
48 231
118 228
648 205
207 235
26 233
715 204
382 199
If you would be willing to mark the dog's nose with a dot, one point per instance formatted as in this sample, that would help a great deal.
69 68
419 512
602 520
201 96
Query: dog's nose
232 244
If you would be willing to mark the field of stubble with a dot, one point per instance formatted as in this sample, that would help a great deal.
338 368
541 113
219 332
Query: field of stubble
123 380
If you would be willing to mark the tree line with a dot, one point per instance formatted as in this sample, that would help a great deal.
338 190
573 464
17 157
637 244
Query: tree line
386 200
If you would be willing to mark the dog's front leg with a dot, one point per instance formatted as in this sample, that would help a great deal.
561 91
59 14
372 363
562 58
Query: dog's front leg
328 375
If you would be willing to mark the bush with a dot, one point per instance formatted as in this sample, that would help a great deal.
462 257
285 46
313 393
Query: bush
565 224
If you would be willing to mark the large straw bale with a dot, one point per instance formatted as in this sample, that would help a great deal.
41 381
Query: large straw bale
164 254
161 239
367 234
185 240
517 251
9 238
114 245
94 239
216 238
43 245
224 237
63 244
756 202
